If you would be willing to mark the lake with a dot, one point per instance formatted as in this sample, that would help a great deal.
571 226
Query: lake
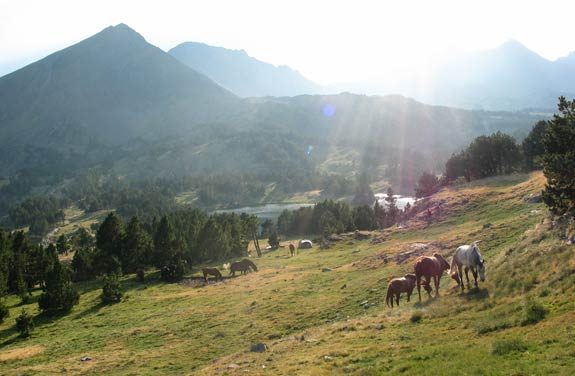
271 211
400 201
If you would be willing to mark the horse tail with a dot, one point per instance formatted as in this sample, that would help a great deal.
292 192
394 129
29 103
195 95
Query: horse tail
389 296
453 266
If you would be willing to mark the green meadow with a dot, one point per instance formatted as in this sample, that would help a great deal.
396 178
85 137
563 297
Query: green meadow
323 312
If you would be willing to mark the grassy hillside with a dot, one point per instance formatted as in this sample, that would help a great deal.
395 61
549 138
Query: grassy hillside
317 322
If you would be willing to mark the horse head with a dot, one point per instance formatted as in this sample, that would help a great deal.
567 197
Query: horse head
480 262
410 276
444 264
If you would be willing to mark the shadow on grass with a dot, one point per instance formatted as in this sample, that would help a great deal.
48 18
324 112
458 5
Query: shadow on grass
425 302
8 332
475 293
40 320
90 311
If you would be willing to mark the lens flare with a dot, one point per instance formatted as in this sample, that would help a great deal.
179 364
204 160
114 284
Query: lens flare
309 150
328 110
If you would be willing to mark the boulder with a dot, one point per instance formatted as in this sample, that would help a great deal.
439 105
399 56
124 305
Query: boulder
259 347
533 199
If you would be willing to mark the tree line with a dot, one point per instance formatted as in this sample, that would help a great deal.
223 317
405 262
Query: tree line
329 217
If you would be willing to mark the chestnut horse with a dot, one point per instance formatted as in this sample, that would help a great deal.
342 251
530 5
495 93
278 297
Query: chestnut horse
211 271
428 267
291 250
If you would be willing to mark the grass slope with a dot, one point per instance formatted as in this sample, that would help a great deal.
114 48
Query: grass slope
318 322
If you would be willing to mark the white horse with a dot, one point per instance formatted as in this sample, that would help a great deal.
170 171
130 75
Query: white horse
468 256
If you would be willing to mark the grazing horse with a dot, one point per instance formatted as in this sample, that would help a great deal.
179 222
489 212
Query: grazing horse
399 285
428 267
468 256
242 266
211 271
292 250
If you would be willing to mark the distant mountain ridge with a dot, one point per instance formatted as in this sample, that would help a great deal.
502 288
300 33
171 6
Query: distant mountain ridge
509 77
115 102
242 74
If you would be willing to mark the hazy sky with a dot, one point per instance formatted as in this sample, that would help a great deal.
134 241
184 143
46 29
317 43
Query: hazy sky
327 41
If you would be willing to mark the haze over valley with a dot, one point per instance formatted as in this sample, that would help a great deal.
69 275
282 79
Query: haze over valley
286 188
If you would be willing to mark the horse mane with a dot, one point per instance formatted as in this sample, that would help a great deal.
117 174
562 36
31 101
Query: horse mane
477 253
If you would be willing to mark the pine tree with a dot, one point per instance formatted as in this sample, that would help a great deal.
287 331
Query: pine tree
24 324
137 247
559 159
62 245
164 243
5 257
110 235
392 212
111 292
533 145
59 295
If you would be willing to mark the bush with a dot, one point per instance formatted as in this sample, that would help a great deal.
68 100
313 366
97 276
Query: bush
506 346
534 312
24 324
416 317
274 240
427 185
111 292
3 311
174 270
141 275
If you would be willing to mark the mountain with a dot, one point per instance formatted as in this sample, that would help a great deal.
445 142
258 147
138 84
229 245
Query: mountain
113 86
116 104
241 73
510 77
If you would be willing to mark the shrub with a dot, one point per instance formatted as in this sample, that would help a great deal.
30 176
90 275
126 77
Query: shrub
24 324
111 292
416 317
274 240
534 312
141 275
3 311
506 346
174 270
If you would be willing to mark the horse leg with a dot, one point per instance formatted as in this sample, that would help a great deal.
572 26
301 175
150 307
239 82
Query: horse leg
467 275
474 272
419 286
397 298
409 295
460 283
437 280
428 281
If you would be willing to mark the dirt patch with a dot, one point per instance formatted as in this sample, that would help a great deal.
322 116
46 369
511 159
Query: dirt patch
21 353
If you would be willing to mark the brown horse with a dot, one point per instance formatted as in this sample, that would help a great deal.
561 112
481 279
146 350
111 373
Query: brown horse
211 271
292 250
399 285
242 266
428 267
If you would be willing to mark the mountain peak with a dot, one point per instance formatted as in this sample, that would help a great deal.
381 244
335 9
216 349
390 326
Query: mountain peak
513 44
121 31
240 73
